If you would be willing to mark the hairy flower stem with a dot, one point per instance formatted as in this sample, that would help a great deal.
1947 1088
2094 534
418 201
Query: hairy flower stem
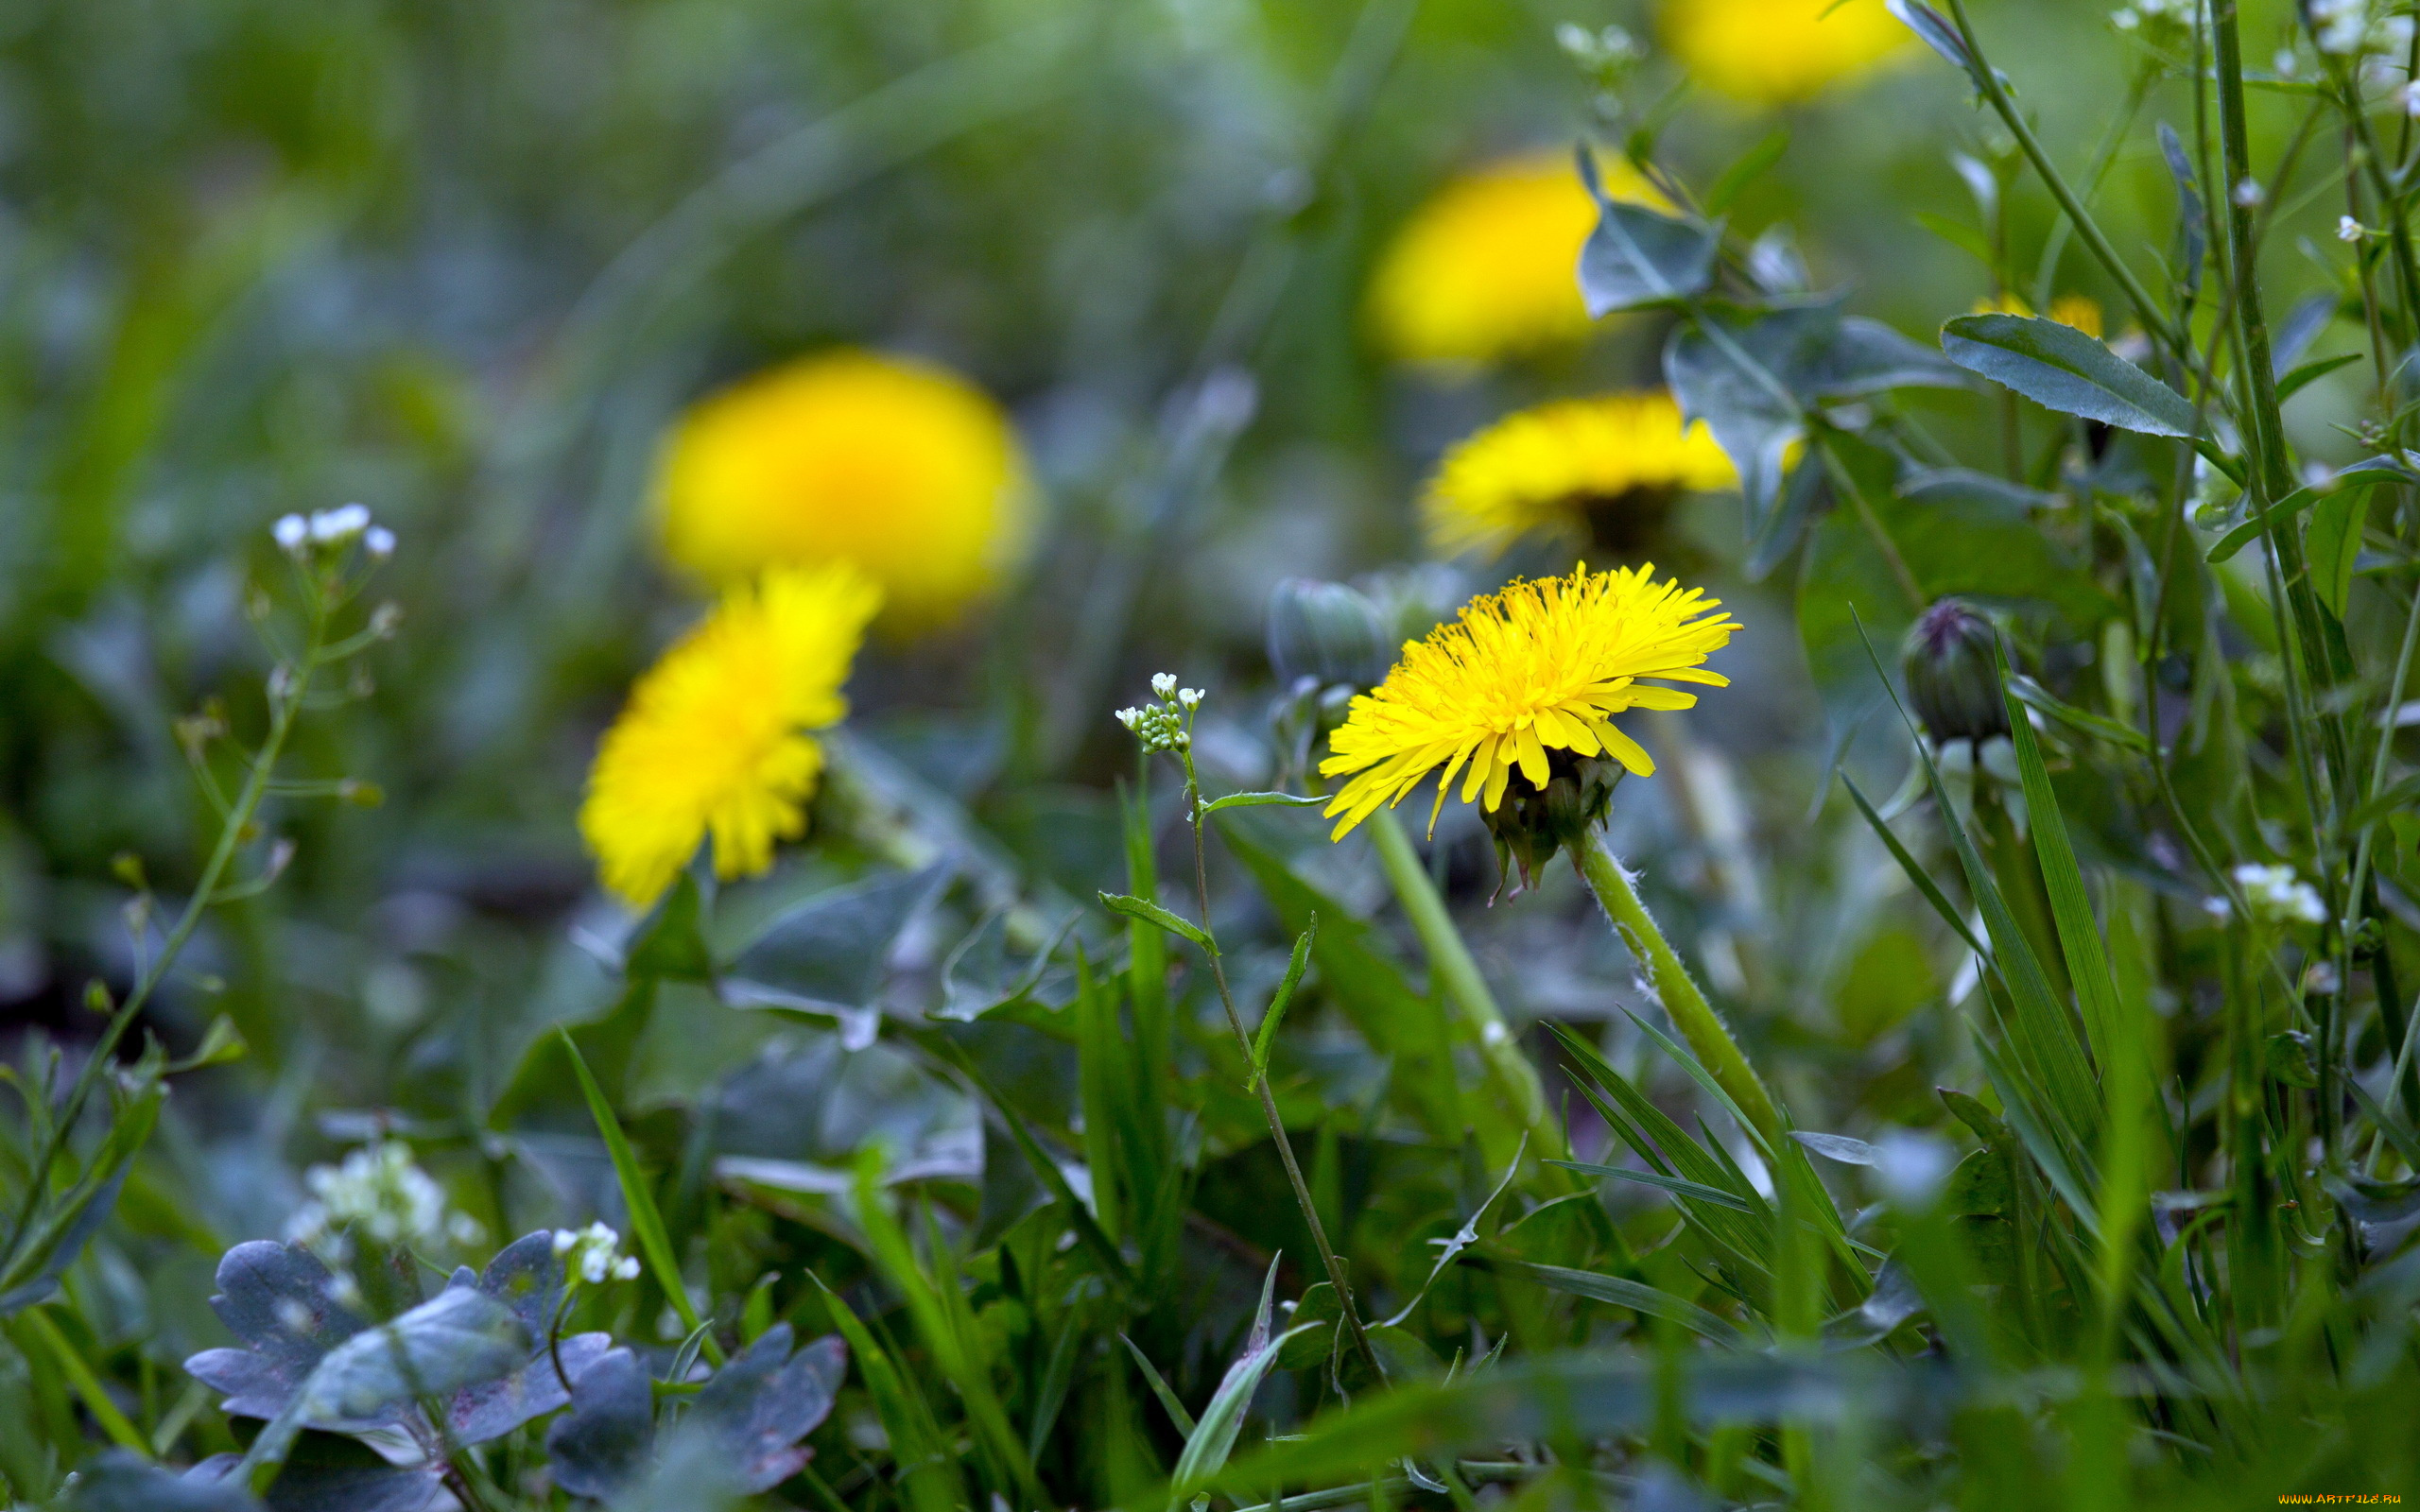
1268 1100
286 690
1450 958
1689 1010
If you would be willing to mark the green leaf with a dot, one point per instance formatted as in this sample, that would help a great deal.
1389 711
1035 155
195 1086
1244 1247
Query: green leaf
1637 256
1669 1183
925 1465
670 942
1746 169
1256 801
2034 695
1151 913
1159 1386
1213 1438
2333 542
2310 372
1958 235
1914 870
646 1224
2060 367
2364 474
1277 1002
1636 1295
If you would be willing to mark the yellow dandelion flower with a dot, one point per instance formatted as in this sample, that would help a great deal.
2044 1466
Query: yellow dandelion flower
1489 267
716 740
1555 466
2081 311
1774 52
1522 679
902 468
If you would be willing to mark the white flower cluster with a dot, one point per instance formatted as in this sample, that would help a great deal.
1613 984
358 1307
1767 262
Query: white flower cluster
297 533
377 1193
2276 895
2158 19
2344 28
593 1255
1166 723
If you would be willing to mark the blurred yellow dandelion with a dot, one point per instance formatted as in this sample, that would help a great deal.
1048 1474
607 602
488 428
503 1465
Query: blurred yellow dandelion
902 468
716 740
1541 667
1773 52
1488 268
1553 467
2081 311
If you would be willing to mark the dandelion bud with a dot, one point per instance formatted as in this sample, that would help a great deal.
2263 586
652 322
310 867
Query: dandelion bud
1951 674
1324 631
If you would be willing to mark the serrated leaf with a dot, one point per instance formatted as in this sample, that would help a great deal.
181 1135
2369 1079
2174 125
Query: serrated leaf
276 1299
458 1338
2060 367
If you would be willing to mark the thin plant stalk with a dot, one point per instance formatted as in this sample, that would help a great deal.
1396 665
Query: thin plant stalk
1328 1258
287 686
1690 1012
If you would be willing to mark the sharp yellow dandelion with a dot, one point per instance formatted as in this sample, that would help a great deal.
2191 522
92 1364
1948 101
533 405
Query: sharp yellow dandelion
1577 467
716 739
1523 678
1773 52
900 467
1489 267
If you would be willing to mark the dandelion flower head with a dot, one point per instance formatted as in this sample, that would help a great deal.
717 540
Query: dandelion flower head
1553 467
716 739
1488 267
1521 676
1774 52
901 467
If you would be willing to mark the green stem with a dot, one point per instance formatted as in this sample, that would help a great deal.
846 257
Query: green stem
285 703
1689 1010
1267 1100
1515 1078
2154 320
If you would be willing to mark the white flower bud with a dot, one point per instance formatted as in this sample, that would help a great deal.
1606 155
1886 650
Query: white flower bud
2247 193
290 532
2347 229
1189 697
1164 685
379 542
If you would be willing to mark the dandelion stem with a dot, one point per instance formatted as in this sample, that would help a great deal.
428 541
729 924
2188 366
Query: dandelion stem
1689 1010
1269 1101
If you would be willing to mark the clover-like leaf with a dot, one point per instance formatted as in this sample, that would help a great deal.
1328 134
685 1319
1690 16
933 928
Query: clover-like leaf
602 1443
526 1277
763 1403
827 954
277 1298
460 1337
119 1482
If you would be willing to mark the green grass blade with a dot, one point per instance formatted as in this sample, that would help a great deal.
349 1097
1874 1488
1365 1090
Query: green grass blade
2080 938
1159 1389
646 1224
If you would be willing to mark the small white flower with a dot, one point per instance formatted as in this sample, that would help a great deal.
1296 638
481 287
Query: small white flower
2412 98
595 1254
2125 19
2247 193
2321 978
1189 697
379 1194
1130 718
2276 895
330 527
290 532
1164 685
2283 63
2347 229
379 542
